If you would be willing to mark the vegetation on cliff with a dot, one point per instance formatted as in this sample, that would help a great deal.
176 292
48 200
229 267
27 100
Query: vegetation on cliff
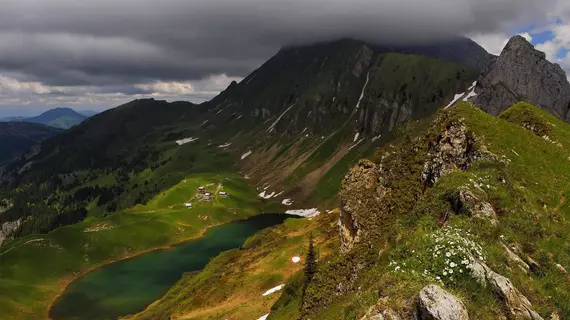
427 217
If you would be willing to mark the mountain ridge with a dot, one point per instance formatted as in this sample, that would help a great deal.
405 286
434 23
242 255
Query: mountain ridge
17 137
293 128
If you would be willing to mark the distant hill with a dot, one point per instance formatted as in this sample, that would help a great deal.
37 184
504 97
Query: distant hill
63 118
16 137
13 119
88 113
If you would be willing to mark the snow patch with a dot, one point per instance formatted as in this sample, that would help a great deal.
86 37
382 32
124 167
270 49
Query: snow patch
273 290
185 141
224 145
363 90
354 145
323 64
245 155
296 259
458 96
356 136
376 138
277 195
287 202
307 213
264 317
455 99
266 196
470 95
279 118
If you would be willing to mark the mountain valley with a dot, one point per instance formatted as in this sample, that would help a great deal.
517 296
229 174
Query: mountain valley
441 175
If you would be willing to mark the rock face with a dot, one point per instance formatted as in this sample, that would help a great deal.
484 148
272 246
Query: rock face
522 73
7 228
518 307
360 182
453 149
373 194
465 201
434 303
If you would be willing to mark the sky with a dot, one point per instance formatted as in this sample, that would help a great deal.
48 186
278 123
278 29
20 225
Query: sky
94 55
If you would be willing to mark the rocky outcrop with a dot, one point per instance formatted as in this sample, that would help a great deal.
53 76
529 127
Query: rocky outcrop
7 229
357 195
455 148
522 73
434 303
5 205
514 258
465 201
372 195
387 314
517 306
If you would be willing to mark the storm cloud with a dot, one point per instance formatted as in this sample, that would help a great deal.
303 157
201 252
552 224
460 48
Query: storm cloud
180 47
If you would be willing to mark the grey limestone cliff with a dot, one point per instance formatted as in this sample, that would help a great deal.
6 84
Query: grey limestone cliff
522 73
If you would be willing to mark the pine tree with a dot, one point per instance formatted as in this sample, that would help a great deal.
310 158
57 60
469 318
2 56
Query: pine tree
310 267
311 261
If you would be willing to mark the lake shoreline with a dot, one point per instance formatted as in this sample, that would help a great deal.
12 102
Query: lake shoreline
65 282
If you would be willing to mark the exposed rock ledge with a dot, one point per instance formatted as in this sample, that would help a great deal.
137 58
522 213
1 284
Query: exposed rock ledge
455 148
360 183
372 193
518 307
465 201
8 228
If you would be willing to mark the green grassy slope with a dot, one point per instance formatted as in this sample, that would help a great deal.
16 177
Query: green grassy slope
297 114
232 284
17 137
34 269
528 186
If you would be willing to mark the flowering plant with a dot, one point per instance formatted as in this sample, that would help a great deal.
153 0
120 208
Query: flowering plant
443 256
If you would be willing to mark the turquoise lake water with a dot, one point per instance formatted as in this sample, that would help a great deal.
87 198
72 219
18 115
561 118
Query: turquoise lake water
129 286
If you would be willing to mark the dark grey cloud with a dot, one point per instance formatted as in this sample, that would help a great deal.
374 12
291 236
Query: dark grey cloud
116 44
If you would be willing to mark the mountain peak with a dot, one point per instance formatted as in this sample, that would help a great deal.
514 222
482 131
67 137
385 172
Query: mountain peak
522 73
520 46
63 118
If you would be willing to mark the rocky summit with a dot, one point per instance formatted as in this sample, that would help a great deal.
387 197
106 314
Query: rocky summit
522 73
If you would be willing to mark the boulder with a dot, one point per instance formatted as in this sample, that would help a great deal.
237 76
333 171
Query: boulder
434 303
